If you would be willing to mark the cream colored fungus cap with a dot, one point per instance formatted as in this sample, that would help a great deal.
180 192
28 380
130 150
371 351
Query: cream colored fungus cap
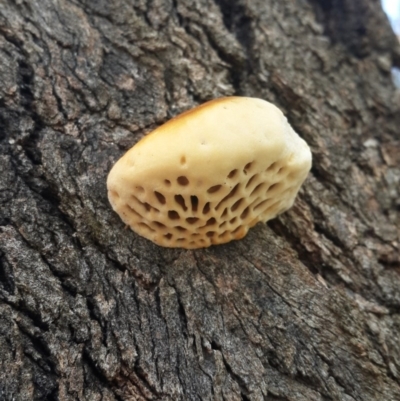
208 175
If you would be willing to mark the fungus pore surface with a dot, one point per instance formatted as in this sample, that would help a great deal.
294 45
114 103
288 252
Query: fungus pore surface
208 175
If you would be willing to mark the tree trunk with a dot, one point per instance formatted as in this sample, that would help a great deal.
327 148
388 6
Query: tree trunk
306 307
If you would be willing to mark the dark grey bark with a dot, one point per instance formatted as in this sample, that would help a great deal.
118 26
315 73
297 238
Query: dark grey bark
306 307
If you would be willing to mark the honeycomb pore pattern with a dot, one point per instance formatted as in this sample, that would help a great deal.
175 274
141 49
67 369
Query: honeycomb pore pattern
175 217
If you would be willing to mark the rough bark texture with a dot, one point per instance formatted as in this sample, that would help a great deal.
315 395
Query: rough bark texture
306 307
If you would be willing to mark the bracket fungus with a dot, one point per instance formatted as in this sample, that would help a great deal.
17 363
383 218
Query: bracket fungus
208 175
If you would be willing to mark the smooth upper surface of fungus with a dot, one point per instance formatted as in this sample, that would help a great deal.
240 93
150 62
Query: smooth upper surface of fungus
208 175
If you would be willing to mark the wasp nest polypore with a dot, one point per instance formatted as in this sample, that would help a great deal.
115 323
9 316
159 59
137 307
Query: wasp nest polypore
208 175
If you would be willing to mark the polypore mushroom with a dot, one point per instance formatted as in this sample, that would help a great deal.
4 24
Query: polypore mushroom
208 175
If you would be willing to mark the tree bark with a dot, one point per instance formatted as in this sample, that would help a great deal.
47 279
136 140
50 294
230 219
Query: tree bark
306 307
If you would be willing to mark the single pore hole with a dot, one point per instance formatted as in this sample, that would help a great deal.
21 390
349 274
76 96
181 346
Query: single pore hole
236 205
213 189
183 160
232 193
245 213
182 180
271 208
247 167
194 200
149 207
273 186
160 197
158 224
143 204
210 234
168 236
211 221
192 220
281 170
140 189
225 212
133 211
257 189
223 234
206 208
232 173
237 229
167 183
233 221
145 226
181 229
261 204
251 181
173 215
181 202
114 194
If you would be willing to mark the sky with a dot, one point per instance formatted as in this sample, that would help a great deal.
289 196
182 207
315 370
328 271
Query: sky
392 9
